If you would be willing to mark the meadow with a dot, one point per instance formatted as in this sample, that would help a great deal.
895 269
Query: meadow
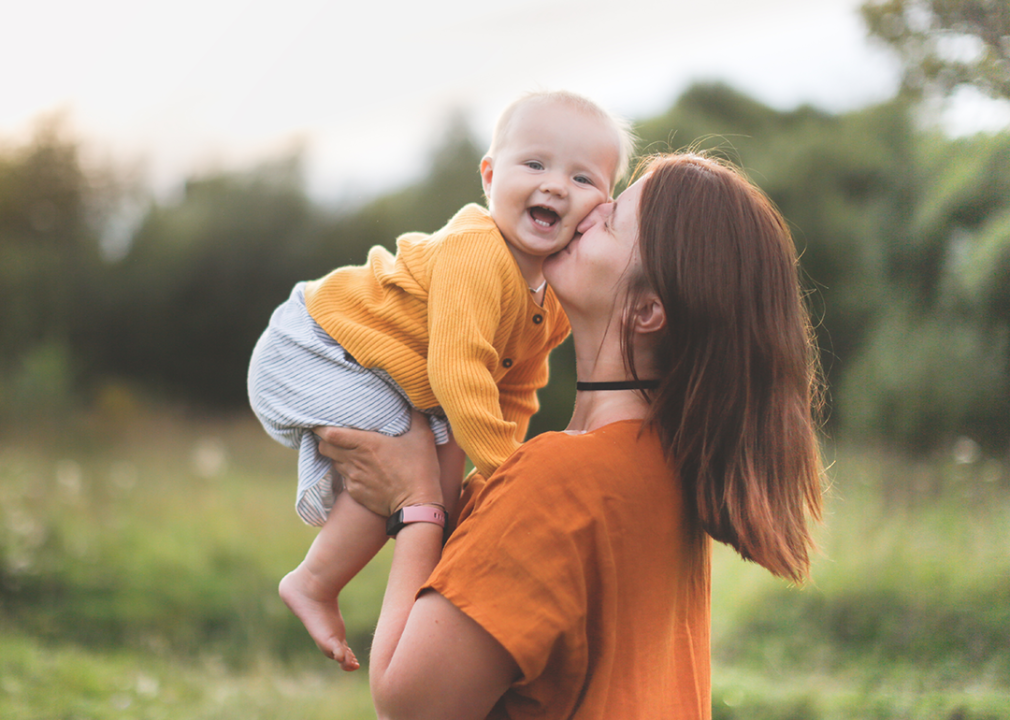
140 552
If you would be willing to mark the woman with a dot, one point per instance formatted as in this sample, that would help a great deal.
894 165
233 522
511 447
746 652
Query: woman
577 582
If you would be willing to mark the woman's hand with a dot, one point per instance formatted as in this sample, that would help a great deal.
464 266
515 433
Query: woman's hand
385 473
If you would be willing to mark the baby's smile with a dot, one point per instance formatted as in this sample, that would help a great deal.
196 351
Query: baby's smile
543 217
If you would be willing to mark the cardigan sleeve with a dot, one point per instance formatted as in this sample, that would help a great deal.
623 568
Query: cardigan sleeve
468 287
519 387
518 393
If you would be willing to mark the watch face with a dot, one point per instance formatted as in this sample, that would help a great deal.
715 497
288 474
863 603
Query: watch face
394 523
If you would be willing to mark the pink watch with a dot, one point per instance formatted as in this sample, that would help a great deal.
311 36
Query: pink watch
413 514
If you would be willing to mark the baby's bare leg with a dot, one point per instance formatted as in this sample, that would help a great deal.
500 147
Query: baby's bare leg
350 538
451 461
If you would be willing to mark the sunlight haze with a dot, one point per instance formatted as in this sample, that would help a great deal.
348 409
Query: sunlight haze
366 89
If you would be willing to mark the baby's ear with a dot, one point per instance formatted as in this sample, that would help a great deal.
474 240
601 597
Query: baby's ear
486 171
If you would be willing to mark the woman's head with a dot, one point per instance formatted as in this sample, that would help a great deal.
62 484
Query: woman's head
735 358
590 274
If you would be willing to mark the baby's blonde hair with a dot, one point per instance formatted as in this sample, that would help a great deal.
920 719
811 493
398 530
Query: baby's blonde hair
625 136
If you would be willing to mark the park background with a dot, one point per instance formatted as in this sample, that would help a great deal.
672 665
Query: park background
145 518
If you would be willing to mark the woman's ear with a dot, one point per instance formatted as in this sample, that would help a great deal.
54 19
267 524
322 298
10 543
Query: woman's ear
650 316
486 171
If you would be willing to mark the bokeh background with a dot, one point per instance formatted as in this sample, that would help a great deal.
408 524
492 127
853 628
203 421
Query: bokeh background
168 171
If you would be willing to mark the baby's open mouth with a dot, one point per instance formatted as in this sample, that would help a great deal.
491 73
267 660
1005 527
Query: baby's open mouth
544 217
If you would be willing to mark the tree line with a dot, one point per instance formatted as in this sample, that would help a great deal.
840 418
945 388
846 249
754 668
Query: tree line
904 237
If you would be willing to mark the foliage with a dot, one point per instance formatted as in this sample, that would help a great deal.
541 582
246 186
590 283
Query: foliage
150 545
938 363
945 44
139 562
903 239
907 610
229 251
42 682
921 379
895 225
842 182
52 209
201 279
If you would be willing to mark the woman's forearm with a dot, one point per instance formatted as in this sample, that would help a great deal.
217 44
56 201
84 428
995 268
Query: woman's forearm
430 661
418 548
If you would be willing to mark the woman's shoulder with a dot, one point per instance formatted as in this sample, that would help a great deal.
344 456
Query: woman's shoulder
616 436
607 451
557 478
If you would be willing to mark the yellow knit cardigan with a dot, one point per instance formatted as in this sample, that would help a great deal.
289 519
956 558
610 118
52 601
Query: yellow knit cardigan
452 320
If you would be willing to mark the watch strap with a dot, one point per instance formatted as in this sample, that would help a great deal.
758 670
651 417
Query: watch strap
413 514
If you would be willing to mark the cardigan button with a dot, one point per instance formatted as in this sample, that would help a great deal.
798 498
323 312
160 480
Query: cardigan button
507 362
537 319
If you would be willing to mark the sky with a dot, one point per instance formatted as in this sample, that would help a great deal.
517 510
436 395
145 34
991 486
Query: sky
365 90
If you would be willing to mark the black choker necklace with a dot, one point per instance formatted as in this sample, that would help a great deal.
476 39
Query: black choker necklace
619 385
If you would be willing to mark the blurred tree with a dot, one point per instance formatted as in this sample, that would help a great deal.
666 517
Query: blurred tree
52 212
904 238
203 274
844 184
201 278
938 364
956 262
946 44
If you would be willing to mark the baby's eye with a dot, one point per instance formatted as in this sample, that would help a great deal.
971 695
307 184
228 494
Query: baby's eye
534 165
585 180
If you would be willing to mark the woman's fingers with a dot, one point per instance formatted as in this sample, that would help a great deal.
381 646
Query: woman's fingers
342 438
385 473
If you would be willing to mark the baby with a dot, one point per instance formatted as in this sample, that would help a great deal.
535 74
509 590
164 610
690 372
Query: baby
458 324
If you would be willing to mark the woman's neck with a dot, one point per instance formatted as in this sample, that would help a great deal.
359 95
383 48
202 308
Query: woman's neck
595 409
598 358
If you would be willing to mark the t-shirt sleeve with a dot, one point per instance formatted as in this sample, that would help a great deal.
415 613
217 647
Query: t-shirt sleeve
516 563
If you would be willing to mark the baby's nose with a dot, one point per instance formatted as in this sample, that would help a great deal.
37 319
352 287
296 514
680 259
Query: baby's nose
552 186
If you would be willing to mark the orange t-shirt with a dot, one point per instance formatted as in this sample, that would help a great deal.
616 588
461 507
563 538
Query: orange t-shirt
577 557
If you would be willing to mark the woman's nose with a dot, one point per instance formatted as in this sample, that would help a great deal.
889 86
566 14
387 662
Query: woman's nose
600 212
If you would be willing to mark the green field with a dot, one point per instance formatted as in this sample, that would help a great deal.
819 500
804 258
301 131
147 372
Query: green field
139 556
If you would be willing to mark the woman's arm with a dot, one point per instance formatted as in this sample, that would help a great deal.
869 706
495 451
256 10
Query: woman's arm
428 659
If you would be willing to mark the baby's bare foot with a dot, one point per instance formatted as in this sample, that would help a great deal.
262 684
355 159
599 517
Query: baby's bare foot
319 613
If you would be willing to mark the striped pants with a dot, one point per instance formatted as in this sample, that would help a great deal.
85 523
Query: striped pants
300 378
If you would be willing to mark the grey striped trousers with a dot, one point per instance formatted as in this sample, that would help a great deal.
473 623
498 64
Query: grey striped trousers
300 378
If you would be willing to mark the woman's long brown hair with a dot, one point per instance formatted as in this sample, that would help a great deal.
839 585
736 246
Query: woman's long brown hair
739 394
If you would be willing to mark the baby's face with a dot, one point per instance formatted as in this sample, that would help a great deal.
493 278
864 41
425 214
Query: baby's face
554 165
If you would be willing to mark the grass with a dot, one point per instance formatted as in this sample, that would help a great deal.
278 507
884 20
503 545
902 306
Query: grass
139 557
41 682
907 614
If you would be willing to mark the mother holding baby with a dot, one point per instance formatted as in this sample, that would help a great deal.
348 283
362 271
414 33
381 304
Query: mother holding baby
576 583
